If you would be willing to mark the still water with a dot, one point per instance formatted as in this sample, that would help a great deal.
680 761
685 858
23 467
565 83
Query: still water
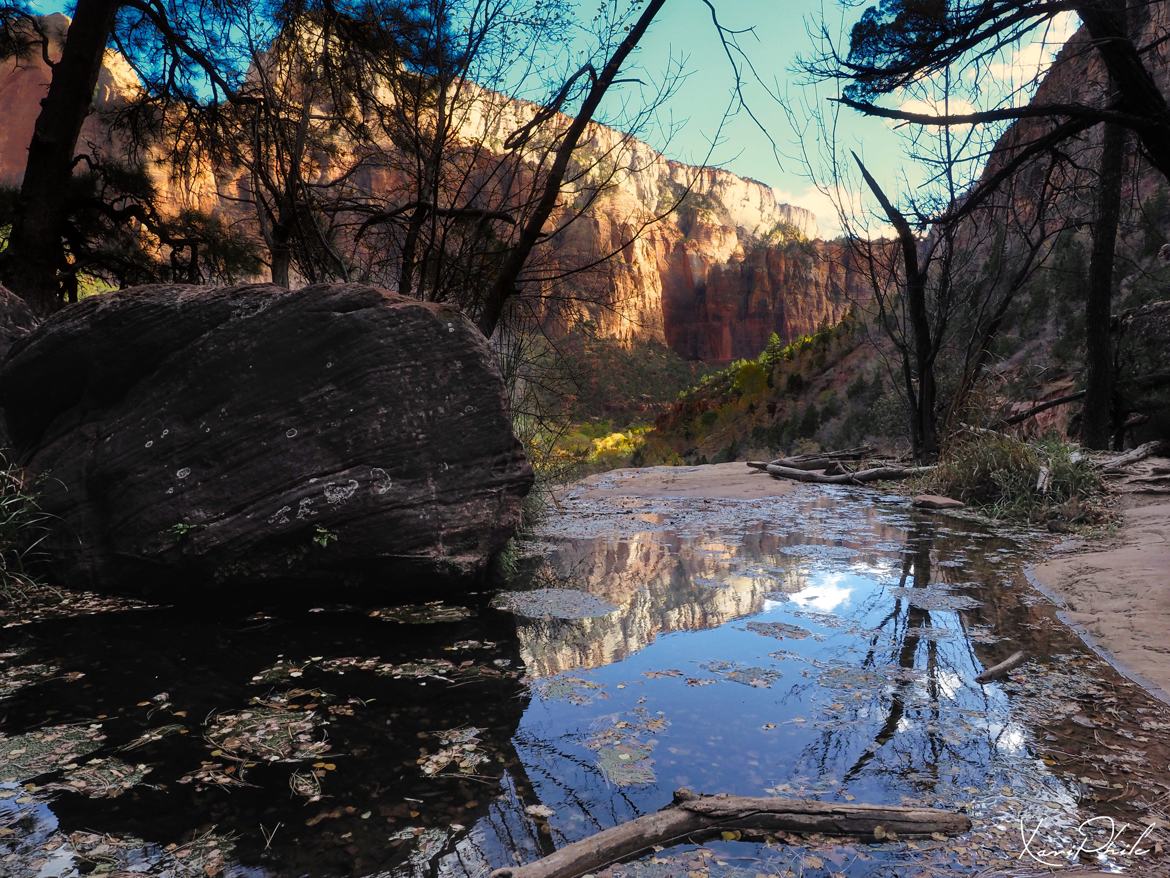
821 644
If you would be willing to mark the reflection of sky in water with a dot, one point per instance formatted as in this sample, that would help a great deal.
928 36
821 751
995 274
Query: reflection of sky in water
826 595
862 700
840 688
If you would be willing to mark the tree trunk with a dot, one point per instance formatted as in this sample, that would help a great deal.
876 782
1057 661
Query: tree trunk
927 413
923 404
874 474
504 285
281 256
35 252
1137 91
1097 414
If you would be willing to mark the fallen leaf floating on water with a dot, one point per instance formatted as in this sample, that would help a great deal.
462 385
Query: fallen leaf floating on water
431 613
101 778
458 751
269 735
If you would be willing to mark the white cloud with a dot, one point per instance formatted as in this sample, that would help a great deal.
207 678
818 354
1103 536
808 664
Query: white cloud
857 204
936 107
1030 61
822 205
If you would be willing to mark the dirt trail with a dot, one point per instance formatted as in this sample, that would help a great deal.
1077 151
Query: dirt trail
1116 593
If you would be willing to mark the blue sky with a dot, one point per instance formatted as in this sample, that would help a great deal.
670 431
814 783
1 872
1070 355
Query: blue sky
782 31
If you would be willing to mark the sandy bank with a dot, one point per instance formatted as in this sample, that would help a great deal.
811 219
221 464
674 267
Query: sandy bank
1116 593
730 481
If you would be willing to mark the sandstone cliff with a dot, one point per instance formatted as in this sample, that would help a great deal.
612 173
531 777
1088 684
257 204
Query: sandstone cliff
25 81
713 280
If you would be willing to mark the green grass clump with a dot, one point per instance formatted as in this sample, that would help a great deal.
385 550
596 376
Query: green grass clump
1001 476
22 529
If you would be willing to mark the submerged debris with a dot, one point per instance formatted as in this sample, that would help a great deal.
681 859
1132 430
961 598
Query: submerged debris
215 774
759 678
779 630
203 857
152 735
429 613
268 734
934 599
624 746
575 690
458 750
101 778
283 669
34 753
14 678
668 672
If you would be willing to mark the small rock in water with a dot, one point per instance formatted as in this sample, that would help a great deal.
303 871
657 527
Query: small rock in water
553 603
936 501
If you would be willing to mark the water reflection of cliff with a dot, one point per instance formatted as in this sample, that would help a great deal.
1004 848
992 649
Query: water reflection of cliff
662 582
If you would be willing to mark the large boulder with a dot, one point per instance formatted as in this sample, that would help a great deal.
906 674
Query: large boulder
1142 339
16 319
190 436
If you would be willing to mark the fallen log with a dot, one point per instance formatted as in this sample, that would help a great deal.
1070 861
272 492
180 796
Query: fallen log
691 816
857 452
1135 455
997 671
807 465
819 460
874 474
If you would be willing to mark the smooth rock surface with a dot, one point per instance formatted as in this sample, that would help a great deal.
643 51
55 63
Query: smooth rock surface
191 436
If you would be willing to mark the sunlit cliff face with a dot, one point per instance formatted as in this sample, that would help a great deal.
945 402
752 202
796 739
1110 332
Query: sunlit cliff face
24 83
713 274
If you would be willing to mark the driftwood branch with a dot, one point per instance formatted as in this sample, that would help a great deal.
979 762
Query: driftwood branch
997 671
691 815
820 460
874 474
1136 455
